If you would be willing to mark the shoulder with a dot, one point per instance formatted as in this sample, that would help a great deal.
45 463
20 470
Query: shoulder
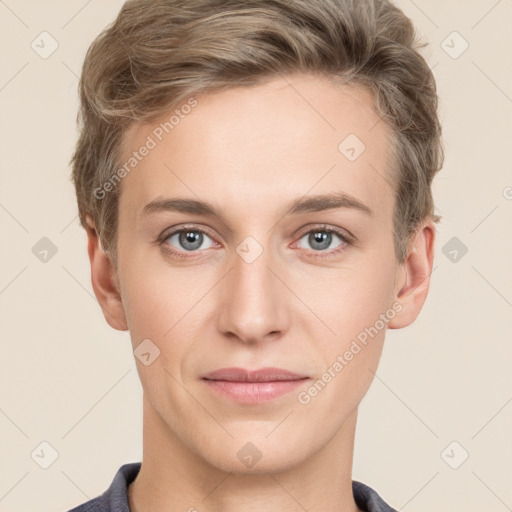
368 500
99 504
115 498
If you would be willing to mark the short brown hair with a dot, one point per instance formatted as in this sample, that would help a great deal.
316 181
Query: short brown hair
159 52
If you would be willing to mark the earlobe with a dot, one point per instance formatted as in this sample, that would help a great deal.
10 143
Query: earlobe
412 287
104 281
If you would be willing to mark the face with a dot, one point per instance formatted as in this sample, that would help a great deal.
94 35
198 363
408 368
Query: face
269 276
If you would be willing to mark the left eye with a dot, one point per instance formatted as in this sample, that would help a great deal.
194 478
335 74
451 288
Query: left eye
321 239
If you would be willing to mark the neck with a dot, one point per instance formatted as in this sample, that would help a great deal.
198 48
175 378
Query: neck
174 478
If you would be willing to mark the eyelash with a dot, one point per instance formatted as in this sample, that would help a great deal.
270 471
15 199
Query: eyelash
347 241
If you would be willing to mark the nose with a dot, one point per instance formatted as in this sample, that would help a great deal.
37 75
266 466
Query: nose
253 300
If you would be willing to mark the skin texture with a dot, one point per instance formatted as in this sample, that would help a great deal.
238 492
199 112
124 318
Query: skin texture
250 151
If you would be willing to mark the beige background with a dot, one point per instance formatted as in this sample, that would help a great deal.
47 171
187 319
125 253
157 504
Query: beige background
69 380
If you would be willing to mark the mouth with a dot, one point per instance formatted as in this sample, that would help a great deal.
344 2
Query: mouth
253 386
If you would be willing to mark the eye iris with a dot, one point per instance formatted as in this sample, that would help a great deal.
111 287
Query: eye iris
321 237
191 237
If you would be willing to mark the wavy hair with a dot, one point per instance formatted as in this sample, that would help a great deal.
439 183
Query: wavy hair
157 53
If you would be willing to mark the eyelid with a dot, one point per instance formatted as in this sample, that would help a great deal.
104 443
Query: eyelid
343 233
182 227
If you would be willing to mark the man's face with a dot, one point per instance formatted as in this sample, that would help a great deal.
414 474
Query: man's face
259 289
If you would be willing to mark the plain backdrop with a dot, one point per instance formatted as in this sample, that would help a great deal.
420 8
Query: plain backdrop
434 428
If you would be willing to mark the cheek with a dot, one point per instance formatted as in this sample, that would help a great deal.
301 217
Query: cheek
357 311
360 310
154 310
152 306
352 301
155 295
165 308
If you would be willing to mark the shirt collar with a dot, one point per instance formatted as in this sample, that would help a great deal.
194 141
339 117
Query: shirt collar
116 496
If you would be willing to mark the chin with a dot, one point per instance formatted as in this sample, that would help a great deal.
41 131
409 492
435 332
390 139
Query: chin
256 456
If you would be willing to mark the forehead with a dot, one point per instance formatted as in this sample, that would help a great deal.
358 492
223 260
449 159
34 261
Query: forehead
252 148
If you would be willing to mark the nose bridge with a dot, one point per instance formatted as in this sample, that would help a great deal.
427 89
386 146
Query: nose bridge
253 305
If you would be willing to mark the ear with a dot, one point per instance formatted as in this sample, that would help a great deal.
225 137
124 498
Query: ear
413 276
105 281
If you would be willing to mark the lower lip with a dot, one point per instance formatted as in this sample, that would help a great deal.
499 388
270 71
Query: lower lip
254 392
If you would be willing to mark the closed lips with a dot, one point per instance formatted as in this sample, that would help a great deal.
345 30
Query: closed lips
270 374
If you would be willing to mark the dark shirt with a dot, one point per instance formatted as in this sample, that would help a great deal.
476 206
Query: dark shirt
115 498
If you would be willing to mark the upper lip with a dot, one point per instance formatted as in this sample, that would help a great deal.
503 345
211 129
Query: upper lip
268 374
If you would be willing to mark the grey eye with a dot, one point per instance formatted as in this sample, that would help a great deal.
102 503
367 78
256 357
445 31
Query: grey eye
189 239
320 240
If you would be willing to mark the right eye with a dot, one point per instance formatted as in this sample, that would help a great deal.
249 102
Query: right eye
187 240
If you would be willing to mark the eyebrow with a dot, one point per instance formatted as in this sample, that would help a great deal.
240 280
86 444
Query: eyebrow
305 204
